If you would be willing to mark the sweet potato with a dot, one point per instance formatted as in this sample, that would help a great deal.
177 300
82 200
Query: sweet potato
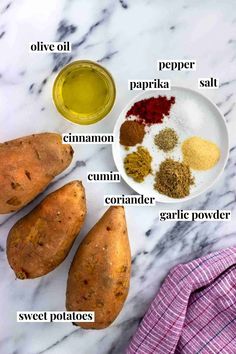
100 272
28 165
41 240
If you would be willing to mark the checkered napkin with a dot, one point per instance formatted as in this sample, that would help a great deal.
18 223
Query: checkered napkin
194 311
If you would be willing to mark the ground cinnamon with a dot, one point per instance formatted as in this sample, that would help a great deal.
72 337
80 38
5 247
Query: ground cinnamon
131 133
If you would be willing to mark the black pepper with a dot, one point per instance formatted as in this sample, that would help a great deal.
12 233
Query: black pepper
166 139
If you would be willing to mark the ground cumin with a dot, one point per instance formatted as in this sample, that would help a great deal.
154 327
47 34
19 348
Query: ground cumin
138 164
131 133
173 179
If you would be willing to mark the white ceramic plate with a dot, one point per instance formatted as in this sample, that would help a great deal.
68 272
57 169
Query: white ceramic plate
205 121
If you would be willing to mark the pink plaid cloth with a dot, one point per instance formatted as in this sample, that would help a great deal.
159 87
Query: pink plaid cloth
194 311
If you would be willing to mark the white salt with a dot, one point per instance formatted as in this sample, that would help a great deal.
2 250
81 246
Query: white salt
188 115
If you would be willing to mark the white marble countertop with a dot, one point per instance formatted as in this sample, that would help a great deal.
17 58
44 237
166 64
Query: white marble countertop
127 37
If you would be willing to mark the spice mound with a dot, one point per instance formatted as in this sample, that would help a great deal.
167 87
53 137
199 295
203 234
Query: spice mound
138 164
152 110
173 179
131 133
166 139
200 154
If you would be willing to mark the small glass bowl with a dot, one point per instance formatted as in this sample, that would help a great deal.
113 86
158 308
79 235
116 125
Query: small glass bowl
90 117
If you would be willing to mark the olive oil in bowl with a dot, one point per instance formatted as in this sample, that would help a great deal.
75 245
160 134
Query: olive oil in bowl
84 92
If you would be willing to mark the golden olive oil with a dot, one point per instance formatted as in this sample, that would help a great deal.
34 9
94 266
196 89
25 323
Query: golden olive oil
84 92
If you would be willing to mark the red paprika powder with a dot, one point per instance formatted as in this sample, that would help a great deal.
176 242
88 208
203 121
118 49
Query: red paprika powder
151 110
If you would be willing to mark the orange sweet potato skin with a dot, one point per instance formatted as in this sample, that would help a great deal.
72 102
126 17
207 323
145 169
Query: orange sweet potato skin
41 240
28 165
99 276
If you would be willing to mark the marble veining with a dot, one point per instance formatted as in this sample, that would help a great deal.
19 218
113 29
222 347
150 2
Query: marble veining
127 37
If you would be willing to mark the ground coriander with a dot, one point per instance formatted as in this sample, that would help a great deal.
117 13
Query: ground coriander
173 179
